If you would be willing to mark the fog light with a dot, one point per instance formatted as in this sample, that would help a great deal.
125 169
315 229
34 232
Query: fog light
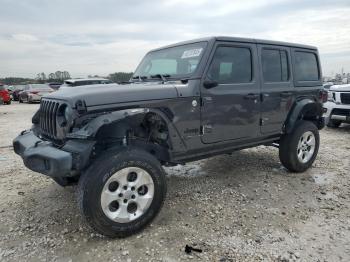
325 110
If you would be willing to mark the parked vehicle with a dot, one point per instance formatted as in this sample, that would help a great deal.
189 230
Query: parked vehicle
55 86
337 109
5 95
84 82
185 102
34 92
16 91
327 85
10 88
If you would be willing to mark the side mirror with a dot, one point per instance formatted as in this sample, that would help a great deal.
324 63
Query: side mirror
210 84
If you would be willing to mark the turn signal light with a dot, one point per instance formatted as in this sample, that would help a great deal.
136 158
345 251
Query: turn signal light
323 96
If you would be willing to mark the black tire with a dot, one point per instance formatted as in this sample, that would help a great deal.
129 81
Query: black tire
95 177
334 123
288 147
9 102
20 100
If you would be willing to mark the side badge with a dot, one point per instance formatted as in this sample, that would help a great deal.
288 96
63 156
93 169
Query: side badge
194 103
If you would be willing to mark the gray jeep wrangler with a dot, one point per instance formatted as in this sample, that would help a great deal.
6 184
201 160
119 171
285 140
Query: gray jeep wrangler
185 102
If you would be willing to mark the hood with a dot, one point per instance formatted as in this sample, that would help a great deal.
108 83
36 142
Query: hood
103 94
340 88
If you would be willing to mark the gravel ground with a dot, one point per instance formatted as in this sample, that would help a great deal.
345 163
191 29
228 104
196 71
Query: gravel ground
239 207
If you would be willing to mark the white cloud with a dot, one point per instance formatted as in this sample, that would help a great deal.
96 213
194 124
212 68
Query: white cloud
24 37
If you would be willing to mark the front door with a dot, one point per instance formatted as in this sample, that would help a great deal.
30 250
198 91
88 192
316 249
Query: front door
277 87
230 110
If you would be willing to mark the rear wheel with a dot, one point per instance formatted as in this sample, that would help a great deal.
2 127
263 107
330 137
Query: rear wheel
299 149
122 192
334 123
20 100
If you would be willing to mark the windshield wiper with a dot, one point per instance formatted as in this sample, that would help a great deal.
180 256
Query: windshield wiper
161 76
140 78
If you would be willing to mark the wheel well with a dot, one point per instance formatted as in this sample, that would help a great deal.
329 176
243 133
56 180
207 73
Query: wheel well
148 131
305 110
310 112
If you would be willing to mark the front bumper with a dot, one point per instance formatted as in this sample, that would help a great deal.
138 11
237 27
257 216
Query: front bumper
335 111
41 156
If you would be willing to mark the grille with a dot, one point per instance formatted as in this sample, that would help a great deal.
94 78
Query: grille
345 98
48 112
341 112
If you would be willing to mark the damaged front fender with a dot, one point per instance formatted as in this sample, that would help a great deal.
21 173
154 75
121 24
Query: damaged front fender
90 130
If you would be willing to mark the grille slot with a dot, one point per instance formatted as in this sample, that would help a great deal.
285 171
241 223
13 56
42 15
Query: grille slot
345 98
340 111
48 113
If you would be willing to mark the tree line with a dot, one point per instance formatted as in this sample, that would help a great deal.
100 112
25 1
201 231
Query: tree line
60 76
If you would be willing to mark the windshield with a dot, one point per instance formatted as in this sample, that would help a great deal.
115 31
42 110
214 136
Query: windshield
173 62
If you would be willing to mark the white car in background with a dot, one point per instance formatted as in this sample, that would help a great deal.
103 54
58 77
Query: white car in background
337 109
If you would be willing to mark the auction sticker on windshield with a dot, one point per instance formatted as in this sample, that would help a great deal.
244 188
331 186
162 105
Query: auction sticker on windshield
191 53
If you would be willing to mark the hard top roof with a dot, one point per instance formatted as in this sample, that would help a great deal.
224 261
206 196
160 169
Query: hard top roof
239 39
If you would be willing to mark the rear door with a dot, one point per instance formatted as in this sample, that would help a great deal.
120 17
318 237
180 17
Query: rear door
276 86
230 110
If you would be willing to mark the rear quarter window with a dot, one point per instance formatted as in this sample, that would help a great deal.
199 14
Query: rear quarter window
306 66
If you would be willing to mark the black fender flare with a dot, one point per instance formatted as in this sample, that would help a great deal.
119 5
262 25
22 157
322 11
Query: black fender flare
90 130
299 108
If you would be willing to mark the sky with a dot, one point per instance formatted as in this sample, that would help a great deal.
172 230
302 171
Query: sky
105 36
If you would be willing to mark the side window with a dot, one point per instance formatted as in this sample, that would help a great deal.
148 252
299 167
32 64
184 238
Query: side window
306 66
231 65
275 65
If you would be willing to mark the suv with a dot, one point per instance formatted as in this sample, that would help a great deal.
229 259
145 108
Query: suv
185 102
337 109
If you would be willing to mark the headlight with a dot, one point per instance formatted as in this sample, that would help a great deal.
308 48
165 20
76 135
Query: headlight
67 113
64 115
330 96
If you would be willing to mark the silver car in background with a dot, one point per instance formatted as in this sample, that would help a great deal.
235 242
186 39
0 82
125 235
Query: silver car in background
33 92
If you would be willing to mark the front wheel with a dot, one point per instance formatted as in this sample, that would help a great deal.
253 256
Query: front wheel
120 193
299 149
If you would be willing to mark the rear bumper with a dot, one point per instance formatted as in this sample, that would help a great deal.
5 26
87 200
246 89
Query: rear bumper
42 157
6 99
34 97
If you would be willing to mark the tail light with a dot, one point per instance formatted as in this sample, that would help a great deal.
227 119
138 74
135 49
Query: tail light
323 96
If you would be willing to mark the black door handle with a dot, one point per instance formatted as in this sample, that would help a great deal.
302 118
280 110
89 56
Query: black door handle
251 96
